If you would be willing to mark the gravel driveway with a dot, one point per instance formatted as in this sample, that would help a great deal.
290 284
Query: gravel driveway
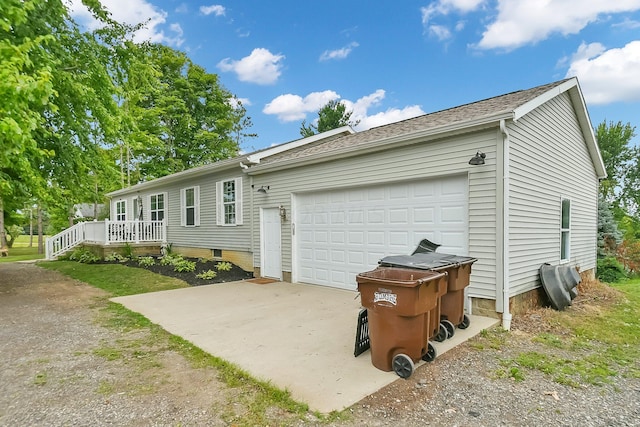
62 366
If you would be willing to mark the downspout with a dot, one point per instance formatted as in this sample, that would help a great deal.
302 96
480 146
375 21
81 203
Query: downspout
506 314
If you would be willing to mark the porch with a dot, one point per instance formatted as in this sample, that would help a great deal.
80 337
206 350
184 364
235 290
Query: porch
105 233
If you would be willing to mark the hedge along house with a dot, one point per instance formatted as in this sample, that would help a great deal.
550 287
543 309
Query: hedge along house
320 211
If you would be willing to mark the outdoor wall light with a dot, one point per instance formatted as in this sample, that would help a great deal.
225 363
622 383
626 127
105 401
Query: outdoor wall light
262 189
478 159
283 213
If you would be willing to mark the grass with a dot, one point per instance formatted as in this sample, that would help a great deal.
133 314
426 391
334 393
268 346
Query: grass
118 280
597 340
21 250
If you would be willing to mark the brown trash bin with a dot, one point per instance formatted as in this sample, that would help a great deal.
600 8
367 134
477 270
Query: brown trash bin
450 310
398 302
452 302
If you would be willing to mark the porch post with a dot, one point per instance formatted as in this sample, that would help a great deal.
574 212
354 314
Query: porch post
136 229
106 232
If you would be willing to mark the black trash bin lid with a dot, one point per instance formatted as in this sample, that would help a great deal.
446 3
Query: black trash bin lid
425 261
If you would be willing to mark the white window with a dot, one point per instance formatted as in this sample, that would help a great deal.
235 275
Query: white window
565 230
190 206
121 210
229 202
157 206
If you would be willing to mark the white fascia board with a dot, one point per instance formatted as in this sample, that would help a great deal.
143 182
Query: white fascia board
587 130
382 144
178 176
536 102
256 157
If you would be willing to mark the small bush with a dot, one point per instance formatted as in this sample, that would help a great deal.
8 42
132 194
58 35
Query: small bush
115 257
84 256
170 259
128 251
184 266
610 270
207 275
146 261
224 266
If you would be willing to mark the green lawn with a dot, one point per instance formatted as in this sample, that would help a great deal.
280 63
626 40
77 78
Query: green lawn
21 250
116 279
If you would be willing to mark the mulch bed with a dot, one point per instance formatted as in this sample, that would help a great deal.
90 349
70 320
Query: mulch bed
235 274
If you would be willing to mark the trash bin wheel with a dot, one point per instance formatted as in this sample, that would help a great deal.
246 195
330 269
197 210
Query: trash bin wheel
465 322
442 334
431 353
403 365
451 329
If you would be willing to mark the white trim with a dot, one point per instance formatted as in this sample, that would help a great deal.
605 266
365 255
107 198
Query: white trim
124 201
164 206
564 230
536 102
196 206
220 212
256 157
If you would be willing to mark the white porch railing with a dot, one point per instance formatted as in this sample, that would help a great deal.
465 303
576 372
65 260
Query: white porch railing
106 232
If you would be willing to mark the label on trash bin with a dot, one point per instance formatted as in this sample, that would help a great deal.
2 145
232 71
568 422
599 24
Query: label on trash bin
385 296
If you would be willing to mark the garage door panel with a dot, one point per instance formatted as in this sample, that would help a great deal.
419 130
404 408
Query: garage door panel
398 216
351 230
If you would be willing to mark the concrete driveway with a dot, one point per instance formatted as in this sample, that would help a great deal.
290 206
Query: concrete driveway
298 337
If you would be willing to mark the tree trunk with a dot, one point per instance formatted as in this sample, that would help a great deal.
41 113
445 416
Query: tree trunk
40 237
3 236
31 226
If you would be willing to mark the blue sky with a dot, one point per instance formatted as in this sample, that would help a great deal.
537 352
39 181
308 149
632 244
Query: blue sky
389 61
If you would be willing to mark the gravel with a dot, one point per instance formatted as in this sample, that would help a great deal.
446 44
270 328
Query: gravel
61 366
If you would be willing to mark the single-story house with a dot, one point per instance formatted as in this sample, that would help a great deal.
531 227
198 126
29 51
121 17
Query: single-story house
511 180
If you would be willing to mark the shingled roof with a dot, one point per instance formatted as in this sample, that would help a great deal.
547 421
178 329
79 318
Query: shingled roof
468 113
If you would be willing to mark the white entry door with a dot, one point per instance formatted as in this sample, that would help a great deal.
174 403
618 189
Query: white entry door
271 244
341 233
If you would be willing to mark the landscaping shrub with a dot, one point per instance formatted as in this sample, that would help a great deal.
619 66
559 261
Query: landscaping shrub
207 275
610 270
146 261
184 266
84 256
224 266
169 259
115 257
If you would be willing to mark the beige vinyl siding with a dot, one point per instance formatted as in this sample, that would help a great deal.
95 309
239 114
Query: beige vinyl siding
549 161
207 235
424 160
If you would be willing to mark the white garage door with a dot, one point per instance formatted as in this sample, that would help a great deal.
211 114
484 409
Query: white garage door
339 234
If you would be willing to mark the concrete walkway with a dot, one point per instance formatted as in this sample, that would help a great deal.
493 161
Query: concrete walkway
298 337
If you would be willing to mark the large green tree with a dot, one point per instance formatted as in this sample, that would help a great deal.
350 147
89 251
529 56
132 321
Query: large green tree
60 109
621 160
332 115
183 117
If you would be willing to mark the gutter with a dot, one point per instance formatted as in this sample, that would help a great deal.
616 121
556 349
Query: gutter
506 314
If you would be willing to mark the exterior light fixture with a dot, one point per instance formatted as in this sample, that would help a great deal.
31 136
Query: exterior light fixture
263 189
478 159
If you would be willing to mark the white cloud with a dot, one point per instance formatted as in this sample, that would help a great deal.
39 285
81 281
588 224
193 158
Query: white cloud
521 22
291 107
444 8
261 67
338 53
361 108
607 75
182 8
215 9
132 12
441 32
